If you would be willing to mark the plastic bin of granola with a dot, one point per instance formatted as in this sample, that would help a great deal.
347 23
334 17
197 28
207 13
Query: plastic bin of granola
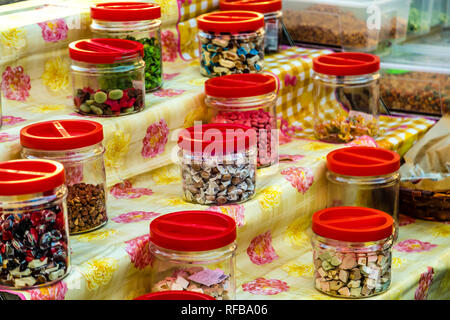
346 96
194 251
349 24
419 20
416 79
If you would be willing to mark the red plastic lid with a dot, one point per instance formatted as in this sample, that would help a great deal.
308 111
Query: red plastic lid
363 161
353 224
261 6
125 11
30 176
217 138
230 21
61 134
175 295
240 85
346 63
105 50
193 231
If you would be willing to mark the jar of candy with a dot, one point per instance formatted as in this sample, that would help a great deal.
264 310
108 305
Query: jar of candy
346 96
137 21
272 18
231 42
77 144
352 251
194 251
34 235
175 295
364 177
218 163
249 100
108 76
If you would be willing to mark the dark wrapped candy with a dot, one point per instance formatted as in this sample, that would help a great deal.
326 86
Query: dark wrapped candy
49 216
45 241
17 245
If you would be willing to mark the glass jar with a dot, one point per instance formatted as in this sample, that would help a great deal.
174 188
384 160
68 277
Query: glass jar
218 163
272 18
34 240
108 77
249 100
365 177
346 96
194 251
77 144
137 21
231 42
352 251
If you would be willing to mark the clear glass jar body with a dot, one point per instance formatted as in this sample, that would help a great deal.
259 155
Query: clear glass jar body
171 270
376 192
346 107
86 183
273 28
257 112
218 179
34 241
352 269
147 32
225 53
108 90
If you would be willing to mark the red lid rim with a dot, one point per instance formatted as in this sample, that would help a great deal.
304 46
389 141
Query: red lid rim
240 85
230 21
261 6
65 141
125 11
238 138
382 224
175 295
100 50
378 161
28 179
346 64
199 223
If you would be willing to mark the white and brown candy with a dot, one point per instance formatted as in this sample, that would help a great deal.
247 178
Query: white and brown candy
218 182
352 275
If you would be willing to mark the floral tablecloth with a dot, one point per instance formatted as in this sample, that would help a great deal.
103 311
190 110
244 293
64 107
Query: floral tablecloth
274 259
273 234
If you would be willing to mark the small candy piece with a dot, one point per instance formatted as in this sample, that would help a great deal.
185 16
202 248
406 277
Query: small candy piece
325 256
362 261
344 291
89 102
336 284
22 282
325 286
366 291
182 282
115 94
326 265
100 97
335 261
355 274
85 108
220 42
348 262
355 292
96 110
127 110
354 284
56 274
343 276
322 273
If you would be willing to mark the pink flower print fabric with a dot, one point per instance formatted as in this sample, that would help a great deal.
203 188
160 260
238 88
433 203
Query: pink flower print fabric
155 139
425 281
138 250
54 30
267 287
15 84
260 251
125 190
413 245
300 178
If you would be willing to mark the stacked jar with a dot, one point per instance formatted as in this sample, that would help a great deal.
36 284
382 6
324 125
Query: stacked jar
218 163
346 96
352 251
194 251
77 144
34 239
231 42
272 18
249 100
108 76
365 177
137 21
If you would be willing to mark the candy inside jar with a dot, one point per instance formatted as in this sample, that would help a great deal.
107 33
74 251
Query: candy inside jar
249 100
194 251
34 248
231 42
218 163
346 96
108 76
136 21
352 251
